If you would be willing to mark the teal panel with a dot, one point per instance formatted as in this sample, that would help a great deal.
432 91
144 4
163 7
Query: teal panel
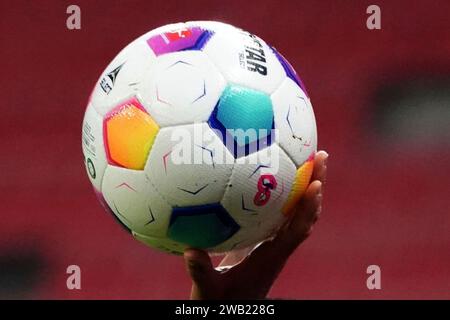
201 226
244 108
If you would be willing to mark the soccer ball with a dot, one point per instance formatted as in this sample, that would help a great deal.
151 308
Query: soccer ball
199 134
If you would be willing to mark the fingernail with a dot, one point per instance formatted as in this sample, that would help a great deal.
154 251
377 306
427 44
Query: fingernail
319 190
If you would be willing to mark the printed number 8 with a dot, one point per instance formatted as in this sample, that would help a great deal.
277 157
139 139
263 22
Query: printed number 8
266 184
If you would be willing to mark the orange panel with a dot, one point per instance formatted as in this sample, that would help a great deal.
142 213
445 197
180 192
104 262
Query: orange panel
130 133
299 186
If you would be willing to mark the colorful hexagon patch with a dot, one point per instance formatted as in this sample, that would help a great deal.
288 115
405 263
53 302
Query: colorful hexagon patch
129 133
244 119
189 38
202 226
301 181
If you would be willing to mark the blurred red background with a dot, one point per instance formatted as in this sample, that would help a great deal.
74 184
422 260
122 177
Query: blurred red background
386 200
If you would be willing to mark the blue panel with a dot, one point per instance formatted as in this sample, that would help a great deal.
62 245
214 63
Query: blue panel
202 226
202 40
245 116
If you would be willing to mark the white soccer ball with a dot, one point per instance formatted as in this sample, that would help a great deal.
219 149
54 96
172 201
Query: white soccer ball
199 134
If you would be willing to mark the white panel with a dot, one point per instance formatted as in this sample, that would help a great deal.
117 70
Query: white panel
189 165
258 217
183 87
93 149
295 122
122 78
245 60
135 201
164 244
245 237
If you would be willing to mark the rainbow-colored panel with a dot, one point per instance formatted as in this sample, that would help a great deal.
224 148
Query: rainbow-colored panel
301 181
129 133
189 38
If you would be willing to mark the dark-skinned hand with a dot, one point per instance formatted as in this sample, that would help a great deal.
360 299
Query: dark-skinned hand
249 274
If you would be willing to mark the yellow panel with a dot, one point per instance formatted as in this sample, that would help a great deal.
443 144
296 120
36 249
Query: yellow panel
130 135
299 186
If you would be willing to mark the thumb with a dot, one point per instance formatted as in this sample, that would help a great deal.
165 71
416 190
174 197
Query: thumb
199 267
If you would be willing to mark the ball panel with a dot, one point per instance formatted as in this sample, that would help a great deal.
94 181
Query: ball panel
135 201
185 84
301 181
129 133
259 185
122 77
245 59
190 165
159 30
236 124
92 144
294 121
184 37
243 238
290 71
214 26
163 244
105 206
202 226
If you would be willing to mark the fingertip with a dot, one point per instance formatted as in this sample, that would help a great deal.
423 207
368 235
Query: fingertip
321 157
191 254
315 188
320 166
321 160
322 154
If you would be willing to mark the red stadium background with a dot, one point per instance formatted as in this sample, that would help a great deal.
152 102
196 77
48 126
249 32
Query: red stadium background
381 99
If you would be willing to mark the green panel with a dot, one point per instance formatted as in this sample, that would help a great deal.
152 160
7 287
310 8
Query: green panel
201 226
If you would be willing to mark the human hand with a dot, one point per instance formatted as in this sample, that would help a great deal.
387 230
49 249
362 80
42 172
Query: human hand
251 275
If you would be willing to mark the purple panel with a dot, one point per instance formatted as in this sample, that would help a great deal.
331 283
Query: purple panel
290 72
192 38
